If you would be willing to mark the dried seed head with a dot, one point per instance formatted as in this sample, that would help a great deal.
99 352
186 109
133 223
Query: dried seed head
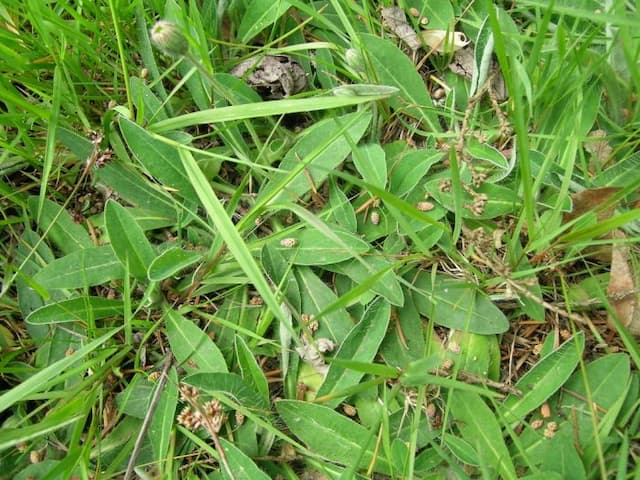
375 217
288 242
536 424
424 21
349 410
545 410
169 39
144 73
212 408
188 419
454 347
188 393
414 12
430 410
154 376
239 418
425 206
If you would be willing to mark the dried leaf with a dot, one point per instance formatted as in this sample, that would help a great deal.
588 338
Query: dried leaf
443 41
600 150
621 290
394 19
590 200
272 76
464 64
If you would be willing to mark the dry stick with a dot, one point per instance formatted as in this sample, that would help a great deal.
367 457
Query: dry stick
147 419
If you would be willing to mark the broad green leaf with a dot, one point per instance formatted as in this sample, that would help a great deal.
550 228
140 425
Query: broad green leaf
331 435
320 149
439 13
83 268
258 16
279 272
172 261
463 450
79 309
52 374
458 305
229 384
410 169
159 158
58 226
559 455
608 379
484 151
371 164
480 428
315 297
341 211
192 347
314 247
500 200
137 190
544 379
162 422
405 340
145 100
240 464
251 371
128 240
392 67
361 344
388 285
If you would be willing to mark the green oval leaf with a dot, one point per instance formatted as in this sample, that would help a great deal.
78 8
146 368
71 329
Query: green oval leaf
83 268
331 435
159 158
458 305
313 247
171 261
78 309
230 384
127 239
544 379
192 347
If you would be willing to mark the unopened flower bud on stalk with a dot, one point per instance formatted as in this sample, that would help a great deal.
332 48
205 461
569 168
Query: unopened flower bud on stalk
169 39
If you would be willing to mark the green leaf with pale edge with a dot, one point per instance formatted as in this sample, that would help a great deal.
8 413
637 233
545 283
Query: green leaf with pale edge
313 247
192 347
128 240
159 433
251 371
320 149
361 344
315 297
78 309
457 305
159 158
58 226
230 384
480 428
83 268
409 170
258 16
172 261
331 435
240 464
393 67
544 379
371 164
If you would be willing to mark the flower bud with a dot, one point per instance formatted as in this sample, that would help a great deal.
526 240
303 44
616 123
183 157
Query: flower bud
169 39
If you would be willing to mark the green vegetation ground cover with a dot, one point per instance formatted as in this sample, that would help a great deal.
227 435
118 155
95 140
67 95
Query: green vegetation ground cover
370 254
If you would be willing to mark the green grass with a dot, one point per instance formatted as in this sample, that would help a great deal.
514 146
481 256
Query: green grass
397 272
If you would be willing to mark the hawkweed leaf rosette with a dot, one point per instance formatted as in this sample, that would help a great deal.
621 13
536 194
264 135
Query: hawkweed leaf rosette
169 39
